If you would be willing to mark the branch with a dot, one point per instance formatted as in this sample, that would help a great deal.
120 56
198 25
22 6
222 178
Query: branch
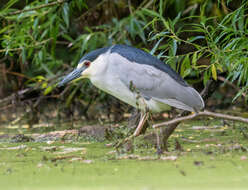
224 80
17 74
58 2
204 113
90 10
130 7
190 8
14 95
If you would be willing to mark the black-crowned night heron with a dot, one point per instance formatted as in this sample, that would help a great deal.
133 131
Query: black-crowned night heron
137 78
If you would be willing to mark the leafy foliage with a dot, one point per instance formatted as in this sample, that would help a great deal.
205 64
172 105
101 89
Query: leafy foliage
200 39
223 41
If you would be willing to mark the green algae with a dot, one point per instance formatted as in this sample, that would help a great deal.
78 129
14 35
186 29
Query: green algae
211 159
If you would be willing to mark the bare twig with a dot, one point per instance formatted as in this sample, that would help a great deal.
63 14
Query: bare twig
18 74
225 9
209 89
190 8
62 158
90 10
166 132
144 4
11 97
204 113
147 5
130 7
58 2
222 79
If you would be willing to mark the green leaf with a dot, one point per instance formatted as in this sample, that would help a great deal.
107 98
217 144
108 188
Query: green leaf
67 37
132 30
161 7
8 5
166 24
44 33
205 78
70 97
65 14
23 55
186 72
239 94
192 39
48 90
194 59
45 67
140 31
174 47
159 35
150 13
176 19
184 65
156 46
214 72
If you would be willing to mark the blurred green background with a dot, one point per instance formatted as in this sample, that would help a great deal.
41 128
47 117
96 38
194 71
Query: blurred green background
40 41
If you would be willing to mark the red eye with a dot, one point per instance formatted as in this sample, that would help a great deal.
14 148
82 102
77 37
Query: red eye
87 63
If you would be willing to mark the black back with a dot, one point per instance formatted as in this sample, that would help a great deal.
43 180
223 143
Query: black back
94 54
138 56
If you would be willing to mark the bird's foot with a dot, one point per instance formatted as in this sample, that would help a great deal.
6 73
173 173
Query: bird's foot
159 151
136 133
124 141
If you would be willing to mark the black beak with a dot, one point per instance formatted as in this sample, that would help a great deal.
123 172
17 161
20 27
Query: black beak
76 73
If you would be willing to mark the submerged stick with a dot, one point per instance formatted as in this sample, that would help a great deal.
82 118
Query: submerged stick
204 113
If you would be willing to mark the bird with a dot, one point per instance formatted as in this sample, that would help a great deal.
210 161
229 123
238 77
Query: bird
138 79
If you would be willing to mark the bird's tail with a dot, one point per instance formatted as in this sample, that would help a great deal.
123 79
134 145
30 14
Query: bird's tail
198 103
189 100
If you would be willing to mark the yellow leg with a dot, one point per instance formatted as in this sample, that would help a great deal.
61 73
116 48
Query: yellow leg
142 121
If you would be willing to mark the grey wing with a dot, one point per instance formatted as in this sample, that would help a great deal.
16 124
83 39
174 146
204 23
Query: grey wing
152 83
141 80
137 77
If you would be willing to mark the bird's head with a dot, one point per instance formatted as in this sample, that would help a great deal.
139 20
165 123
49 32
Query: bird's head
84 66
76 73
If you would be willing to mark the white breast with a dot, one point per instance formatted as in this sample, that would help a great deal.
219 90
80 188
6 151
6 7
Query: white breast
114 86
